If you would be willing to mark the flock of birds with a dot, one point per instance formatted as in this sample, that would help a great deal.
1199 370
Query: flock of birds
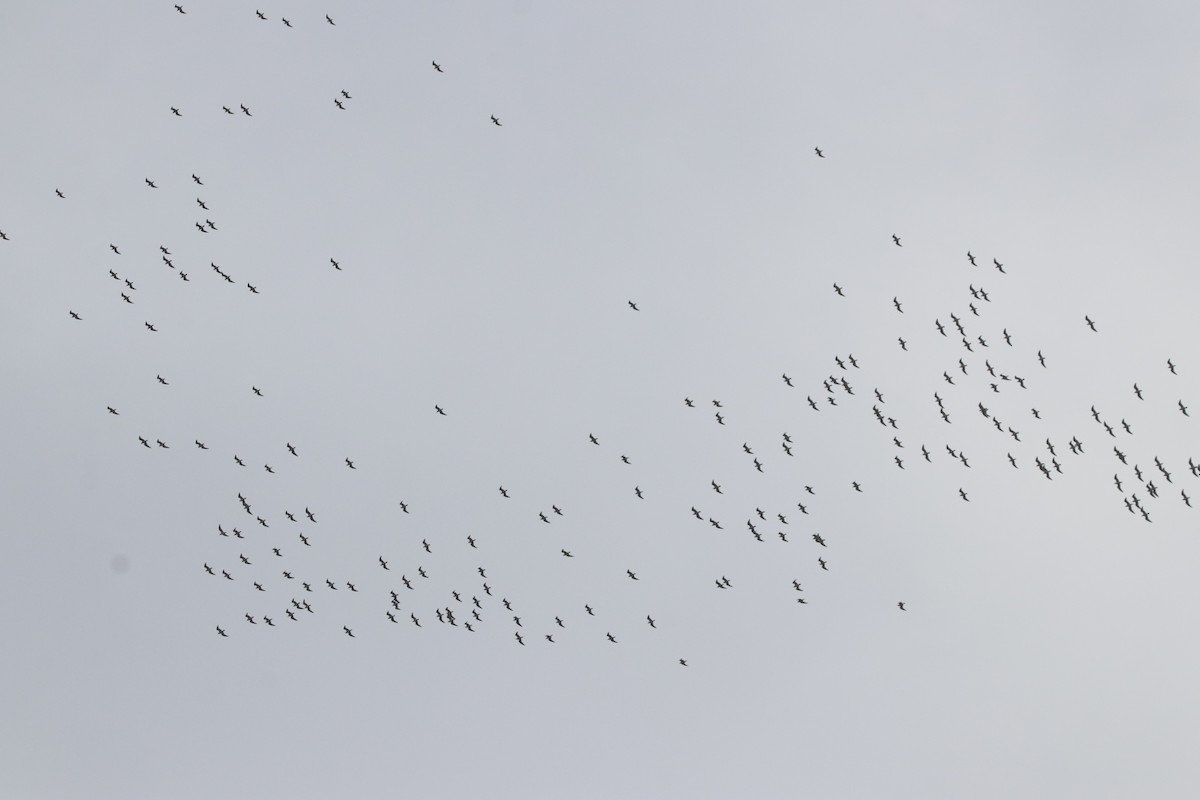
257 554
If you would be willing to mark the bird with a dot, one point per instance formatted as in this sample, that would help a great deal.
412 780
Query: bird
338 103
963 495
383 563
495 121
350 464
787 380
437 66
819 153
330 21
223 633
439 410
245 110
180 9
336 265
896 240
1089 322
838 289
285 22
175 111
1183 409
816 537
971 258
1171 367
75 316
716 487
260 14
632 305
503 491
631 574
896 303
593 439
900 605
611 638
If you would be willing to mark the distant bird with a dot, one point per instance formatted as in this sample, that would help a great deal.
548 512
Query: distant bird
1183 409
1171 367
896 240
716 487
350 464
593 439
439 410
175 111
285 22
74 315
820 154
252 288
256 390
611 638
330 21
436 66
503 491
180 9
336 265
1137 391
838 289
816 537
896 303
632 305
971 258
901 606
1089 322
495 121
963 495
260 14
631 574
338 103
787 380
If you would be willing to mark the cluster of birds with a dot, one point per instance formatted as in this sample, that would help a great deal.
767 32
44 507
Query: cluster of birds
984 378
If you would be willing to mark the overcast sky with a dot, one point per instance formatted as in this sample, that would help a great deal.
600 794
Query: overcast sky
660 154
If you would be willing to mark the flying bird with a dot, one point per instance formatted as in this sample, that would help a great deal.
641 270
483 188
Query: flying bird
436 66
495 121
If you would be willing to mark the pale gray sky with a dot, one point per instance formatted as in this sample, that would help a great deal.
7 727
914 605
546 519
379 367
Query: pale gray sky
660 153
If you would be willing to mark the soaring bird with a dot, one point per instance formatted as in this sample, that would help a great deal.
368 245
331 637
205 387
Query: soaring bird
971 258
838 289
330 21
180 9
593 439
900 606
223 633
260 14
439 410
1171 367
896 240
631 574
350 464
495 121
285 22
437 66
175 111
338 103
632 305
963 495
1089 322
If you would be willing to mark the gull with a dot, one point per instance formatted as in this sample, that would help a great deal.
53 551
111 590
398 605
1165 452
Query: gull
200 202
625 459
816 537
74 315
1183 408
998 265
1171 367
820 154
838 289
285 22
338 103
223 633
787 380
113 247
720 419
971 258
896 303
1041 358
1007 338
495 121
632 305
330 21
240 463
150 183
383 564
175 111
1137 391
901 606
963 495
593 439
180 9
437 66
821 561
439 410
717 487
896 240
638 492
631 574
245 110
350 464
252 288
687 401
260 14
503 491
403 506
1089 322
611 638
256 390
